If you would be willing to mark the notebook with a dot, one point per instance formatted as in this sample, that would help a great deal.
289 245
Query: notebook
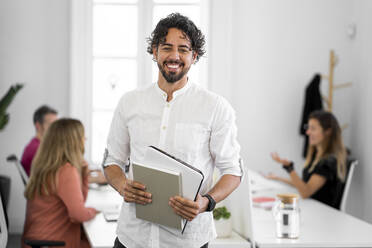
162 184
192 178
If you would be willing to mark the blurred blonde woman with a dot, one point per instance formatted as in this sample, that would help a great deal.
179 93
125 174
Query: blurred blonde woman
58 187
325 168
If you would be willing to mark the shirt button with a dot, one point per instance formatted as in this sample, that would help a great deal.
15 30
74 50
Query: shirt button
168 105
164 127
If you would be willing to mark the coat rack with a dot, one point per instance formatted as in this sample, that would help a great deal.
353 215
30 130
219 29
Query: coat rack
333 60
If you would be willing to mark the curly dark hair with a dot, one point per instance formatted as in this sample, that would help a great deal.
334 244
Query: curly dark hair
176 20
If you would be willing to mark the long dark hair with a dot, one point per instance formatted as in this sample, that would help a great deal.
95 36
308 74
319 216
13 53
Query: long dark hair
332 143
176 20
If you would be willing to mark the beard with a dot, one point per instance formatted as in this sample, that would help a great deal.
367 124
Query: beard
172 77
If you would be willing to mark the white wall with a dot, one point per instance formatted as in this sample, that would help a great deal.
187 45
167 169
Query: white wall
34 48
220 48
277 47
362 103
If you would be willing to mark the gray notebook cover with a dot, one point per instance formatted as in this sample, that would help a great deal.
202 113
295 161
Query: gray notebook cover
162 184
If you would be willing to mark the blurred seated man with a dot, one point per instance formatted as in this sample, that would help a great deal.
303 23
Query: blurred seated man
43 117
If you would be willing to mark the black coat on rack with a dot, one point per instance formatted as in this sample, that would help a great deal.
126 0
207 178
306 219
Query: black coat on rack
313 101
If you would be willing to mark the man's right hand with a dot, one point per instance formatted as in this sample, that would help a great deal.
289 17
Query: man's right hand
132 191
135 192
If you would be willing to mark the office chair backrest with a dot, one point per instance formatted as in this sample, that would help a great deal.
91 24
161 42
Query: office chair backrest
5 193
3 226
13 158
349 177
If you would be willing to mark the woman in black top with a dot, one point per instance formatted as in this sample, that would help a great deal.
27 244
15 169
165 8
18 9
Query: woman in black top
325 168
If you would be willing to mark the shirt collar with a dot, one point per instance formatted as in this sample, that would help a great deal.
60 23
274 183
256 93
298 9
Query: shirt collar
176 93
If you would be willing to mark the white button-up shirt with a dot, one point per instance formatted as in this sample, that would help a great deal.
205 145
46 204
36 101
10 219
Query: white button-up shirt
196 126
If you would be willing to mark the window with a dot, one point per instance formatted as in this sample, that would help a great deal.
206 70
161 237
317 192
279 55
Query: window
109 57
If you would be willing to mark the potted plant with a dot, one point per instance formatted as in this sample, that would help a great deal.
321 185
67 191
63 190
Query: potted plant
4 118
5 102
222 222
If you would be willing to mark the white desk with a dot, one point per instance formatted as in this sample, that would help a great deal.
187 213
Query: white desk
320 225
102 234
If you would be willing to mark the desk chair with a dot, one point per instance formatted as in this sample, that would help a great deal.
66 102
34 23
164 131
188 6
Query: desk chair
5 193
3 226
33 243
43 243
13 158
349 176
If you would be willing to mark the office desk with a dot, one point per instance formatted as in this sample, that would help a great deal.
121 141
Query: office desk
101 234
320 225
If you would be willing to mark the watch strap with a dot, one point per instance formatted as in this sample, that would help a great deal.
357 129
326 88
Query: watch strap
211 203
288 168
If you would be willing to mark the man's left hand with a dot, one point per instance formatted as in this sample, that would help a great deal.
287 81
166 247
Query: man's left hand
188 209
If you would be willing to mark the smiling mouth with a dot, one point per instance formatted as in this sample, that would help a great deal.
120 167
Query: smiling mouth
173 66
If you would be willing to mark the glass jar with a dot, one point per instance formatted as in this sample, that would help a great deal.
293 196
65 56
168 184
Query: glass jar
287 216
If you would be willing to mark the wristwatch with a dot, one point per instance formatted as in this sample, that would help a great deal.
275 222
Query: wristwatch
211 204
289 168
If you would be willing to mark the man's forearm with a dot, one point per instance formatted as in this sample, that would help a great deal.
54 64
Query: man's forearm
224 187
115 177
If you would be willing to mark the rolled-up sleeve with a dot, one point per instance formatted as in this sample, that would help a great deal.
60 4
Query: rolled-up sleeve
224 147
118 149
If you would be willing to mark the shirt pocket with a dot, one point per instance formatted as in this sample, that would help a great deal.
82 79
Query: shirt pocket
189 139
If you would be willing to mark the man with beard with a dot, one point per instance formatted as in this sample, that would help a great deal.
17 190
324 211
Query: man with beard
184 120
